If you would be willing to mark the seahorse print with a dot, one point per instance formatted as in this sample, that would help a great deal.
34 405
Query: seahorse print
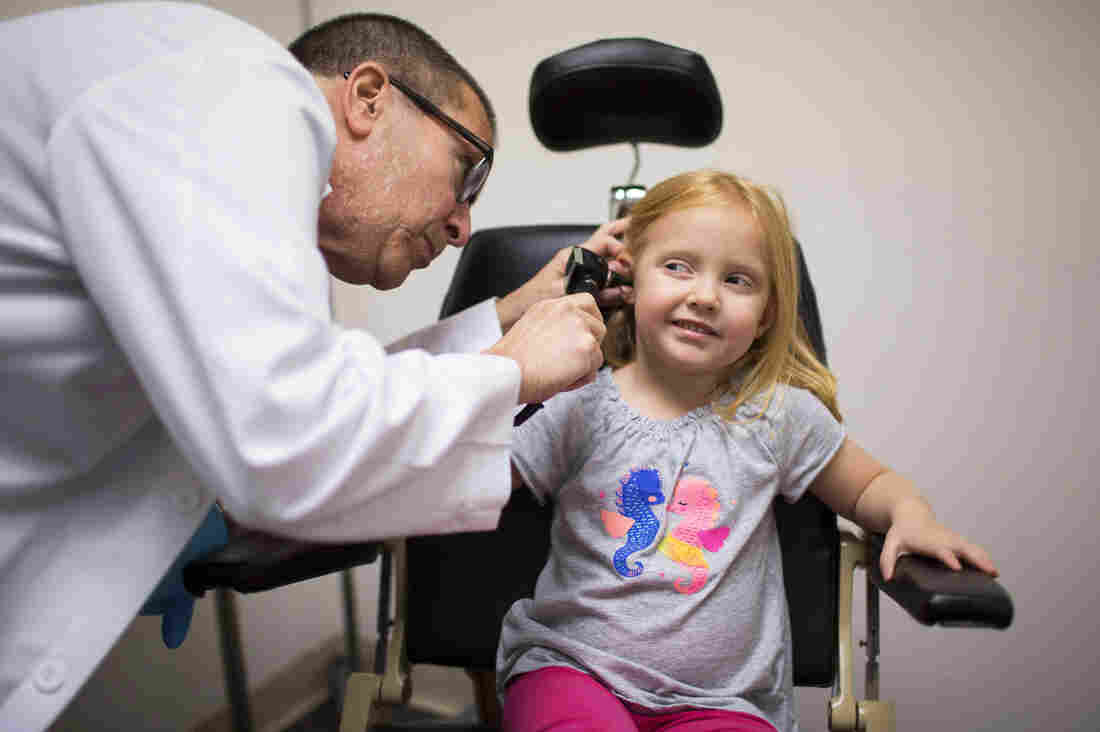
697 501
639 490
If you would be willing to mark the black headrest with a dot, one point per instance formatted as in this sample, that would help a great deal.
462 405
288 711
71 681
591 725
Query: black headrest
624 90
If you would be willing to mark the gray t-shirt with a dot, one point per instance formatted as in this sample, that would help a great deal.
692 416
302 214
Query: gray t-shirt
665 578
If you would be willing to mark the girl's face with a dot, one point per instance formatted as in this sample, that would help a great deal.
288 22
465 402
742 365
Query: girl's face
701 290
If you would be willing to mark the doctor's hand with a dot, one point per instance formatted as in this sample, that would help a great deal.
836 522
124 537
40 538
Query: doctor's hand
171 599
556 344
549 282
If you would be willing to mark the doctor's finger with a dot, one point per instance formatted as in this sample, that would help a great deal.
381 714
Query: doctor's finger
585 303
611 297
176 622
605 240
594 324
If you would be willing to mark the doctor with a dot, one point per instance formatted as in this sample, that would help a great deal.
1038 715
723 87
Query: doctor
175 189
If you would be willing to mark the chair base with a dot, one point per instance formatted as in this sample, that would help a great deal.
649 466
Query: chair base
876 716
360 695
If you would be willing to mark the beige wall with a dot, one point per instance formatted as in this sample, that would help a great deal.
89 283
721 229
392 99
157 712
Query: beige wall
938 161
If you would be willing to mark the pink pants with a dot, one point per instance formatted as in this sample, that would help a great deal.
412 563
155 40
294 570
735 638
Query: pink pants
560 699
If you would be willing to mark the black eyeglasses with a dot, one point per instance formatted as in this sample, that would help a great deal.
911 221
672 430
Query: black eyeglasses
475 176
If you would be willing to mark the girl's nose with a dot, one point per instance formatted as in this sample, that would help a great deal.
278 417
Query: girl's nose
703 295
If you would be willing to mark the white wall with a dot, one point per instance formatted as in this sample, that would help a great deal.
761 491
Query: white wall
938 158
938 161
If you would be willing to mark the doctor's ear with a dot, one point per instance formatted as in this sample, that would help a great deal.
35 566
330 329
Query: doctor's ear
364 96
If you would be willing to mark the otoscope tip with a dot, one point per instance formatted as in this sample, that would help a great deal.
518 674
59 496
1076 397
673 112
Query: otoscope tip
614 279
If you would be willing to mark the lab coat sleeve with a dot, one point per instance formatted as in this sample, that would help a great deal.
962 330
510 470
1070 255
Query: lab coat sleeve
474 329
188 190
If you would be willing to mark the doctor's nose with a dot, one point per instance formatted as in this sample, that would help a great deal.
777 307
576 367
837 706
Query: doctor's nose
456 228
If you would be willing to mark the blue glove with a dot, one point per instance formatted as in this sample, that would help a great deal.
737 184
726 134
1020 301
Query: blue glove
171 599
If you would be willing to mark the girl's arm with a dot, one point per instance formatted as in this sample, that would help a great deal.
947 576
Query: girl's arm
860 488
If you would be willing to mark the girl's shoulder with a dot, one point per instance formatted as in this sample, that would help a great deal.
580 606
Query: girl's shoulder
780 410
788 401
793 430
579 406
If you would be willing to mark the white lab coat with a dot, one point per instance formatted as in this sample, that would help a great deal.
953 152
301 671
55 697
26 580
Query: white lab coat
165 335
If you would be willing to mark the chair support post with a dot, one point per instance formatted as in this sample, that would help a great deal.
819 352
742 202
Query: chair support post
396 686
236 682
846 714
843 710
351 623
876 716
390 683
383 626
871 690
359 696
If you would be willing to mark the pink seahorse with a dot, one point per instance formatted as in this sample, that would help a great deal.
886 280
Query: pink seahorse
697 501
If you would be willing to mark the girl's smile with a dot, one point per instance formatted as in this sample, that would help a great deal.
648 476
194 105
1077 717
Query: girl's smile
696 327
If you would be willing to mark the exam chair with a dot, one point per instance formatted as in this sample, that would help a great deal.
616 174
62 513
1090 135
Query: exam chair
450 593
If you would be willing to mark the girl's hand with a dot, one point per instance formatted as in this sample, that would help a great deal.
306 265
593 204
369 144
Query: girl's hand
920 533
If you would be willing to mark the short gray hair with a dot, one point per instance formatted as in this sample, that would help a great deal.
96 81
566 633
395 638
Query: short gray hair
339 45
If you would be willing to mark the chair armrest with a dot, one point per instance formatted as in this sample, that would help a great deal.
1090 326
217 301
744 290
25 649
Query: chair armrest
935 594
253 561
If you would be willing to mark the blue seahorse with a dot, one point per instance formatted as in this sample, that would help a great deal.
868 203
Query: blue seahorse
640 490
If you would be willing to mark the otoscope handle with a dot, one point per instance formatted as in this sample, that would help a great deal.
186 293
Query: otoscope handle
585 272
526 413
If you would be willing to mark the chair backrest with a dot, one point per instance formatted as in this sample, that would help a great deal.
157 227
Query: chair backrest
461 585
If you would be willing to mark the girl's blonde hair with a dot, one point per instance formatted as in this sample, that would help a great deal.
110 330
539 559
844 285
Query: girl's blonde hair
783 354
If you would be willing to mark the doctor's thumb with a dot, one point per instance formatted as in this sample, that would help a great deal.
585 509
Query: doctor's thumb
176 622
170 599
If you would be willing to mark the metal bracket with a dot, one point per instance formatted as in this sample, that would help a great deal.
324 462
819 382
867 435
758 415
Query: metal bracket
845 713
396 684
391 684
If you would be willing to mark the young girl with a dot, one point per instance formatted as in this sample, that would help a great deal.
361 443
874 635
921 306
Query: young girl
662 603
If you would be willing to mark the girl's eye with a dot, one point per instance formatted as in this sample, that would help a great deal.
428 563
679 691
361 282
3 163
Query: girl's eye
739 280
676 266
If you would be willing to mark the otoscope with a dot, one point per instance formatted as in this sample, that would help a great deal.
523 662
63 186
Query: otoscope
588 272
